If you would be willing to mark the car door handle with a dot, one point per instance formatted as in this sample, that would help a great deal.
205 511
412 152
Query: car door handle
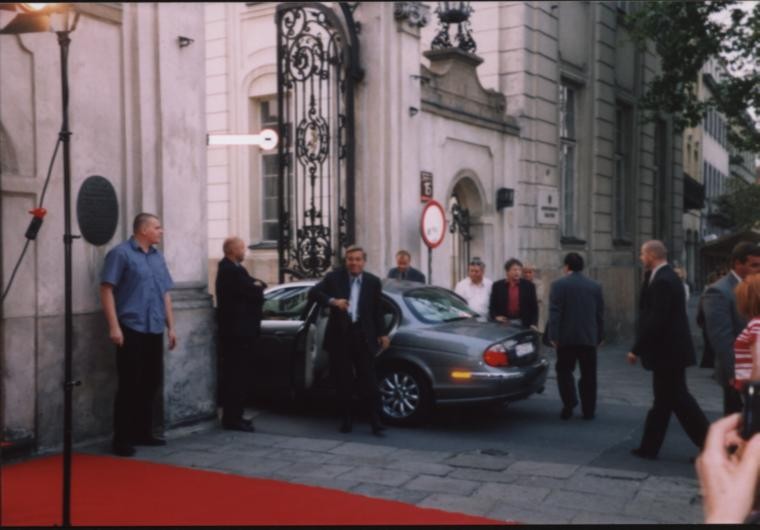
279 333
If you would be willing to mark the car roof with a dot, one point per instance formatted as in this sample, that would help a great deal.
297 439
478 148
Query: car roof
389 285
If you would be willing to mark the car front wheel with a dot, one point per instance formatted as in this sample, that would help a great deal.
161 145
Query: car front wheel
405 395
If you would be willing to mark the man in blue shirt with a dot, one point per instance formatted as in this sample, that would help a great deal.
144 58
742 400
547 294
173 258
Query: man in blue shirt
134 292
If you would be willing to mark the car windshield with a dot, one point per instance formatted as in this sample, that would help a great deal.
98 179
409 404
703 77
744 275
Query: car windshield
437 305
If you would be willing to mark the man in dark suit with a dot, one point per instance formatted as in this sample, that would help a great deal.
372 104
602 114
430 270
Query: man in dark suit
663 342
514 298
723 322
239 302
576 328
354 334
403 270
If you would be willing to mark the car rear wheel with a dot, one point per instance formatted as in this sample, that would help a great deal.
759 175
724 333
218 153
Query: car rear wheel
405 395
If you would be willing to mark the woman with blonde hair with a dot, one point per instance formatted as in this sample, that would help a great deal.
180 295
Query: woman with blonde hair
747 345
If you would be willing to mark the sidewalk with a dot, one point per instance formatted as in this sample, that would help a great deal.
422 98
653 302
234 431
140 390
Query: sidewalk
596 487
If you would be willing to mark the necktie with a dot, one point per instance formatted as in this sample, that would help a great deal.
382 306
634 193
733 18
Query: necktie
353 303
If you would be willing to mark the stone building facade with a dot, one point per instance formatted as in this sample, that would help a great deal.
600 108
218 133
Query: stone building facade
550 113
137 114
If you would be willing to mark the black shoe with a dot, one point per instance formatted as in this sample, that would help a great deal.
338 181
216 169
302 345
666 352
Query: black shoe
151 440
346 426
638 452
123 449
566 414
239 425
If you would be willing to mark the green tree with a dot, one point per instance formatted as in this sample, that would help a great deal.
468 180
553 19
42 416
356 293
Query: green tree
740 205
685 35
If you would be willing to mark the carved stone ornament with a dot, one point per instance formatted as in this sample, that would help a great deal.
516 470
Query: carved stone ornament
416 14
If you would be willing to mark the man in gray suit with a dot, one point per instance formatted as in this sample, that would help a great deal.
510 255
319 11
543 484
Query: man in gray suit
723 322
576 328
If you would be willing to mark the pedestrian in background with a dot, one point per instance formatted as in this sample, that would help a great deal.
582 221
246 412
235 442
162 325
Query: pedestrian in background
576 328
134 293
239 298
513 299
403 269
708 353
476 288
532 274
723 322
354 334
663 342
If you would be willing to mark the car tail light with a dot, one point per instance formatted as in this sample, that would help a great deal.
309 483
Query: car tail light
496 355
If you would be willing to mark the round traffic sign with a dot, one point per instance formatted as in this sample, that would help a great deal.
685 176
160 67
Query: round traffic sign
433 224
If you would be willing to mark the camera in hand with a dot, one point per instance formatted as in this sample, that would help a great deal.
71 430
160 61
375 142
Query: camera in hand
751 412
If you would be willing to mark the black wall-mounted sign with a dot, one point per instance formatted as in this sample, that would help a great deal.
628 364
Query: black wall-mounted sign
97 210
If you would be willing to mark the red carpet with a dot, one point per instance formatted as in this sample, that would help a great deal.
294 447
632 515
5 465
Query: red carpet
116 491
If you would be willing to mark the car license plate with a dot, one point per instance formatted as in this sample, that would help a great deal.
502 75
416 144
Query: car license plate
524 349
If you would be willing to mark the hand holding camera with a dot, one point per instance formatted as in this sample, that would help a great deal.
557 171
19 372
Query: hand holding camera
728 469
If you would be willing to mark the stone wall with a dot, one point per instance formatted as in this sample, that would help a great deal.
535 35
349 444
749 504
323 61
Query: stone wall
137 114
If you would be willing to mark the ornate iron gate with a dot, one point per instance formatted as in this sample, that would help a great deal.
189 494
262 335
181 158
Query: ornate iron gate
316 70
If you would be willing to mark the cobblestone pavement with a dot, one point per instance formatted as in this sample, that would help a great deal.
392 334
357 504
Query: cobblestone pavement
529 479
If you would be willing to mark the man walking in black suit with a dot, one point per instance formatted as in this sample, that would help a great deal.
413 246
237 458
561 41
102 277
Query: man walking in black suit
239 301
513 299
354 334
663 342
576 328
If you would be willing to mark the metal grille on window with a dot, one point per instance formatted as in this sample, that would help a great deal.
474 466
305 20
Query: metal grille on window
567 157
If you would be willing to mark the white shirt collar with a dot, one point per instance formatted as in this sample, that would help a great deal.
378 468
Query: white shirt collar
657 268
738 278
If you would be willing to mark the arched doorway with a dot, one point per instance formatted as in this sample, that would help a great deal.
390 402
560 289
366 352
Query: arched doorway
465 208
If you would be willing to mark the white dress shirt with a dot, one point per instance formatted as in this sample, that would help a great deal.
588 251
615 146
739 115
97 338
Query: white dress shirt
353 301
478 296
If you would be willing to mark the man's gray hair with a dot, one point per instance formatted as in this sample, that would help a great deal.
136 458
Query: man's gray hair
656 248
355 248
141 219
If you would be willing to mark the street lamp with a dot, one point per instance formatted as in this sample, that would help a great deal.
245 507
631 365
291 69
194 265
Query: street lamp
60 18
454 13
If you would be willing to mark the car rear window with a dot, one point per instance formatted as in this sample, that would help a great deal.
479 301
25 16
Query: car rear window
437 305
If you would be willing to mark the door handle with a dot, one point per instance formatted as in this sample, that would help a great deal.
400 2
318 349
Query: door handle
279 333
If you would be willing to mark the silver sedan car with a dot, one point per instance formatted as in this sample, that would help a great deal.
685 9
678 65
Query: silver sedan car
441 352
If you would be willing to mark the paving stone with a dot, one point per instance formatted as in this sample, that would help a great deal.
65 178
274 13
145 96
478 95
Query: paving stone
601 518
251 465
581 501
360 449
420 468
387 477
312 471
604 472
545 469
522 514
351 460
328 483
483 475
625 488
479 461
391 493
512 493
295 455
674 487
660 506
421 456
459 504
309 444
442 485
202 459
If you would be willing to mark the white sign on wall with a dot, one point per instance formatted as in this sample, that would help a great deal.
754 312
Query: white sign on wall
548 206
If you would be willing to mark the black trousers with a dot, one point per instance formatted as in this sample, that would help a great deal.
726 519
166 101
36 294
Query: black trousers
671 395
139 366
353 366
585 356
235 360
732 400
